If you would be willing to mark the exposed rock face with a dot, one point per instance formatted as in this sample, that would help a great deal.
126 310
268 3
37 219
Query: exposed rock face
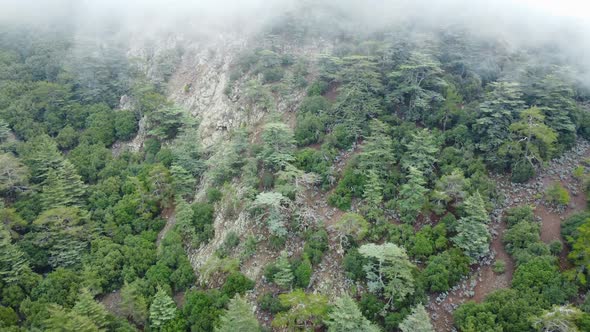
199 84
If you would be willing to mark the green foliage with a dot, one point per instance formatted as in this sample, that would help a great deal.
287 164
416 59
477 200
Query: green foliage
203 308
416 85
238 317
352 224
473 236
277 151
284 275
417 321
520 213
165 122
306 310
556 194
389 271
302 273
162 309
346 317
88 307
499 266
316 245
445 270
412 196
133 303
269 302
236 283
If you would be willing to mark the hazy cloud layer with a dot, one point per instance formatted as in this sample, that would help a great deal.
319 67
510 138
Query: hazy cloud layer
532 22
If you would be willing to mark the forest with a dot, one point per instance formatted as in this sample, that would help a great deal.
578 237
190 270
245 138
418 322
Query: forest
372 181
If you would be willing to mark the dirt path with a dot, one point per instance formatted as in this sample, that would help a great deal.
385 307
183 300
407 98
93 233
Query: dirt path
483 280
169 215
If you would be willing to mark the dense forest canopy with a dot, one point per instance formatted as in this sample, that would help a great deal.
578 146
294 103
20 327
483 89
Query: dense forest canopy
369 174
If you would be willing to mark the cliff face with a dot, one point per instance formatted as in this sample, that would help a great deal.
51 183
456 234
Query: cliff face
199 82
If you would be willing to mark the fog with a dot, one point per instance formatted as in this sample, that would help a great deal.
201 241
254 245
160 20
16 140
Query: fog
565 23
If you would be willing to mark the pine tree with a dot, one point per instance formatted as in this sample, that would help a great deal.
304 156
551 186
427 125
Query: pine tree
162 309
277 150
499 109
87 306
417 321
416 84
346 317
183 183
532 141
473 236
412 196
63 233
62 320
421 152
13 263
133 304
284 276
373 190
62 187
184 220
389 271
238 316
378 155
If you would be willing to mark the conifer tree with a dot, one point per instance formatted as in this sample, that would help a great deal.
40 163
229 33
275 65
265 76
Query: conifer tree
346 317
238 316
133 305
389 271
412 196
284 276
87 306
472 231
421 152
62 186
13 263
162 309
417 321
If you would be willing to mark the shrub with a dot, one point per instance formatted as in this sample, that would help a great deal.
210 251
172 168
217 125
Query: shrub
236 283
353 263
522 171
499 266
214 195
269 302
317 88
555 247
315 246
520 213
302 274
556 194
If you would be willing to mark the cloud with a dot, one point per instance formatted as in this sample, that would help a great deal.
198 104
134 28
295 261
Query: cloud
565 23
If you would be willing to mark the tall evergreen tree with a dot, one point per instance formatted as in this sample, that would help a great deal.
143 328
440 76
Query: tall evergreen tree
417 321
87 306
421 152
238 316
133 304
473 235
346 317
62 186
284 276
13 262
501 106
162 309
412 196
389 271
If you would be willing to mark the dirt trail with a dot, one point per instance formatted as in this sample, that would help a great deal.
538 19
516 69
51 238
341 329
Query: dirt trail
169 215
483 280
